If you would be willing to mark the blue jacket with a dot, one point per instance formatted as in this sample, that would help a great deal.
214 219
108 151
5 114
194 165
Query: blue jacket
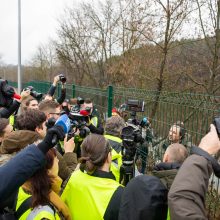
19 169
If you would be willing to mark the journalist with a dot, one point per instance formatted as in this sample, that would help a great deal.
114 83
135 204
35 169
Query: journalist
21 167
94 124
113 128
92 192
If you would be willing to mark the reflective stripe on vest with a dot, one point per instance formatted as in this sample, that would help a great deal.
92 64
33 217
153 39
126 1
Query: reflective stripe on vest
12 120
23 196
116 158
88 196
94 121
113 138
42 212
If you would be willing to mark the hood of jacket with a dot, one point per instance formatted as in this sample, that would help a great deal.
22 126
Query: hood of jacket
18 140
166 172
145 197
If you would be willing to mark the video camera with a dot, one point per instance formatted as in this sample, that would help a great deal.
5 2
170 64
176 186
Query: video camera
131 135
79 118
7 93
33 93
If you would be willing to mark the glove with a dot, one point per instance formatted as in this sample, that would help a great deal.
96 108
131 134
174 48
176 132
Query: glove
47 143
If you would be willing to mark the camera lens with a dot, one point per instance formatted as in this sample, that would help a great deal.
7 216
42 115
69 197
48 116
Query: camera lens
62 78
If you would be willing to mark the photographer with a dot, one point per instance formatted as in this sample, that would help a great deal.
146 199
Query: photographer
186 197
113 128
94 123
92 192
67 159
59 78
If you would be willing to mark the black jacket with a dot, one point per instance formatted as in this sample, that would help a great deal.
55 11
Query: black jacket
62 96
7 112
145 197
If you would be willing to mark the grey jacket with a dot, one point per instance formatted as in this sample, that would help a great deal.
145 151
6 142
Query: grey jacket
186 198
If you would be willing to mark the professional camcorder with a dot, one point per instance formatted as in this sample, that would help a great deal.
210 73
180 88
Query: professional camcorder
131 135
79 118
33 93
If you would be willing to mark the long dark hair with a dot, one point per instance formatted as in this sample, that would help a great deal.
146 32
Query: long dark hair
41 181
94 151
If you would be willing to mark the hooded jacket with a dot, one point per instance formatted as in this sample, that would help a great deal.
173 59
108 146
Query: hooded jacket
188 191
18 140
166 172
145 197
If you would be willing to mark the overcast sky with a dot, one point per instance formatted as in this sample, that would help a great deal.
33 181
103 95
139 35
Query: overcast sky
39 23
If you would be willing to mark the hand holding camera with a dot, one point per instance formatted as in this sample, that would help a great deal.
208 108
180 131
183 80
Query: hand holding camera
33 93
210 142
59 78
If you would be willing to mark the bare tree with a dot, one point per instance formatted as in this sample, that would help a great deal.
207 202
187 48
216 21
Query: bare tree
44 61
167 19
208 20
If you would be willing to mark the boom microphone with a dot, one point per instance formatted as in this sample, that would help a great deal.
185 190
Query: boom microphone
64 122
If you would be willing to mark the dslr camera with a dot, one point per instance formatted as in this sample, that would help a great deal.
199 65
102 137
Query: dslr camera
62 78
33 93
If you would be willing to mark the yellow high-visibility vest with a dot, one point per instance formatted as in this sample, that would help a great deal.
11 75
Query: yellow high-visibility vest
37 213
116 158
88 196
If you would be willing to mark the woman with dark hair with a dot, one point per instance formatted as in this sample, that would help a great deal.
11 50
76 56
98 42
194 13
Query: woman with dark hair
92 192
40 193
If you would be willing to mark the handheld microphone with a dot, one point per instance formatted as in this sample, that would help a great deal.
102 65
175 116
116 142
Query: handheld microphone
16 96
64 122
144 122
84 113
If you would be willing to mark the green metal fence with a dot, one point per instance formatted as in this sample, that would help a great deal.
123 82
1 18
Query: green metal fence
196 111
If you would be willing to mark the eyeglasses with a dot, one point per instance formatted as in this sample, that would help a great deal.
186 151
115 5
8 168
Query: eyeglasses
54 113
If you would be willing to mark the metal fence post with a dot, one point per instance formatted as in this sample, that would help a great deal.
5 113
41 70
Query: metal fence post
59 90
73 90
110 100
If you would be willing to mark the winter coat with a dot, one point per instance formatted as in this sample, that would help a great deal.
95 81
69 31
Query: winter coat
187 194
19 169
166 172
145 197
18 140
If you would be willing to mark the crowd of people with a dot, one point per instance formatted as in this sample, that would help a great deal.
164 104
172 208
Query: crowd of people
79 176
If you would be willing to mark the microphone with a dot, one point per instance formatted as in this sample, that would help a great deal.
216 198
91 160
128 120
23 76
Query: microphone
16 96
84 113
64 122
144 122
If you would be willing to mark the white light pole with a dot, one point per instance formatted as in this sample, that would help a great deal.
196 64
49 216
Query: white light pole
19 47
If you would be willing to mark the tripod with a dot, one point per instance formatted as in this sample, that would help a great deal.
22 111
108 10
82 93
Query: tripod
127 172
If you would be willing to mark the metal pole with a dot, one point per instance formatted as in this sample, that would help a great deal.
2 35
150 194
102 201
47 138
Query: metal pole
19 47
